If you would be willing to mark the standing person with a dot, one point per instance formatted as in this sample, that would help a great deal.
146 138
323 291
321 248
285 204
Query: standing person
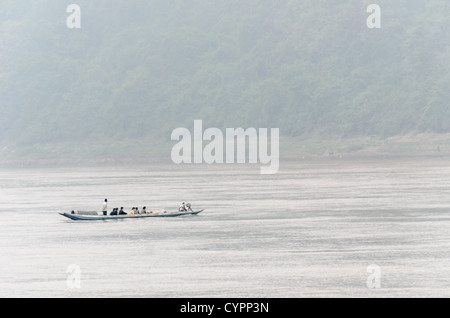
105 207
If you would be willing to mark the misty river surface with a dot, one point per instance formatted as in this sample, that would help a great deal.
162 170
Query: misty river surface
312 230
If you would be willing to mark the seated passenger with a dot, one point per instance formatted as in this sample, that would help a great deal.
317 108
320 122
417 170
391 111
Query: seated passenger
114 212
188 207
182 207
144 210
132 211
122 212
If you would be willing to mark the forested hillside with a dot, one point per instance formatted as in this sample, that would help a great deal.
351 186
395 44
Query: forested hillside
141 68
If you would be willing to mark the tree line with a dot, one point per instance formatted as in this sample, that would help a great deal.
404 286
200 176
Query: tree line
140 68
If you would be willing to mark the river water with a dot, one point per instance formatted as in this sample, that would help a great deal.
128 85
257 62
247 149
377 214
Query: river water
315 229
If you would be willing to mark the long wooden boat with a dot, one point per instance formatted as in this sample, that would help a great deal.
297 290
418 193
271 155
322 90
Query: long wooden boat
78 217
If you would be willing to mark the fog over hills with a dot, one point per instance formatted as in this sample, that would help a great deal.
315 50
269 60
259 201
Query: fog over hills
138 69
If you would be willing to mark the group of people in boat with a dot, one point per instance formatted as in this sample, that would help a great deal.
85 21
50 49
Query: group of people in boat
184 207
132 212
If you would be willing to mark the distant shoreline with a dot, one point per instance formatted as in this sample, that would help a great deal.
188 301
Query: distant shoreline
411 146
63 163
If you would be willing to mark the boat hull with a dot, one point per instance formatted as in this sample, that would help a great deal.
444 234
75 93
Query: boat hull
77 217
